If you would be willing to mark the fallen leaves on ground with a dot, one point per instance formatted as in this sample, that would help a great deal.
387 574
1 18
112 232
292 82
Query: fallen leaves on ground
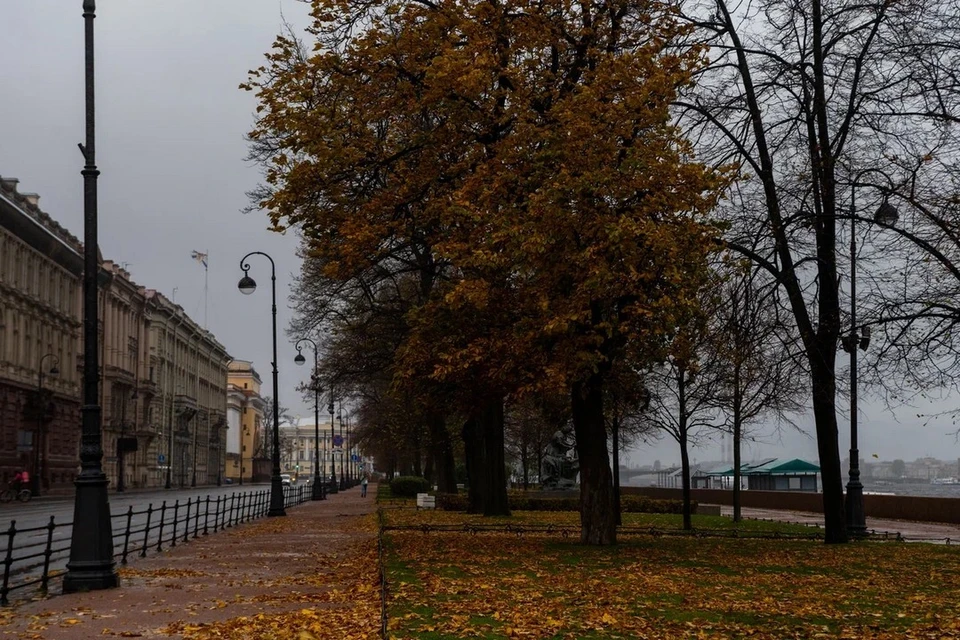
461 585
335 595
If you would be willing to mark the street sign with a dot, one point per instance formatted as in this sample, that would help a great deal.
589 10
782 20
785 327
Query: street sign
338 441
161 459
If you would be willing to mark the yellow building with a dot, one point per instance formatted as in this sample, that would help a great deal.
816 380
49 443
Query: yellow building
245 409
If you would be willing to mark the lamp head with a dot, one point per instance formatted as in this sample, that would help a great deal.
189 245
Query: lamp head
846 343
886 214
864 338
299 359
247 285
54 371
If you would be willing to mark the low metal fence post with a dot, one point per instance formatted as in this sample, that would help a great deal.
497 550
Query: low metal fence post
196 518
229 510
47 552
7 562
126 535
146 531
216 516
186 525
176 509
163 514
206 515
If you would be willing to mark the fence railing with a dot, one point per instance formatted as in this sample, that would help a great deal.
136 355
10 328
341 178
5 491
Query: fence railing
36 555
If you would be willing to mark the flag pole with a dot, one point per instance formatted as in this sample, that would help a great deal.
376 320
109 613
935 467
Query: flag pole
206 276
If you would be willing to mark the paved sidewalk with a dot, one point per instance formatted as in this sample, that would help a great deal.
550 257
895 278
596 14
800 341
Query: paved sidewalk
309 575
931 531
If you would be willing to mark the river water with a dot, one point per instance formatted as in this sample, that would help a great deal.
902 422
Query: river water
924 490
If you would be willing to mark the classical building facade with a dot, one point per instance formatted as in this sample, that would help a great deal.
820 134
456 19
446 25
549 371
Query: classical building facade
187 419
245 409
41 267
297 450
126 389
163 391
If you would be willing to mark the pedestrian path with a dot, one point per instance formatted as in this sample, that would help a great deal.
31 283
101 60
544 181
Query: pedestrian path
907 529
310 575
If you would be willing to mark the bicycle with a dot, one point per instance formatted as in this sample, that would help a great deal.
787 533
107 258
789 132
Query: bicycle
10 493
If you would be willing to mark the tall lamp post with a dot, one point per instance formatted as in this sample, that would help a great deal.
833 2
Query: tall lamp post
317 491
248 285
333 458
343 469
91 564
41 413
885 215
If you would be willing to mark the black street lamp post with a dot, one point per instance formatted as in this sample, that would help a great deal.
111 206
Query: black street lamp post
343 471
41 414
885 215
333 457
247 285
91 564
317 491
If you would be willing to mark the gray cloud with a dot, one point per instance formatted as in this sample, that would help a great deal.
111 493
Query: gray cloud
171 122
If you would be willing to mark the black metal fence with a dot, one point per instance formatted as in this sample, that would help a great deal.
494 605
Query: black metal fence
36 555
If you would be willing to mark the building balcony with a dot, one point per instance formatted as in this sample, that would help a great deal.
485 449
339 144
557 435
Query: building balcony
112 372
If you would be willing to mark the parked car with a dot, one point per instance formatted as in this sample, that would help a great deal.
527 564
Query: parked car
285 480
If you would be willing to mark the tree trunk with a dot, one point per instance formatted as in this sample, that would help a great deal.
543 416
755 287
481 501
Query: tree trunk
428 470
495 491
444 464
539 465
473 451
737 419
616 465
684 454
685 470
598 522
828 447
525 462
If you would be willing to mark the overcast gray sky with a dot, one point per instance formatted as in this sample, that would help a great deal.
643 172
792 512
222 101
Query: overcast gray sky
170 146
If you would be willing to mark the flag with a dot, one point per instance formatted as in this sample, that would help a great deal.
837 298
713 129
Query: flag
199 257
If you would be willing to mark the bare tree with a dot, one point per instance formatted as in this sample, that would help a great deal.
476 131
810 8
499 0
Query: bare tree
265 442
761 377
804 95
684 392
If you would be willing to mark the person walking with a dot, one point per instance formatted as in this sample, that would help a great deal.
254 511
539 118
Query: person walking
363 487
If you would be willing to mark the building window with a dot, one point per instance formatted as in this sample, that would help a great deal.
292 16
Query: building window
24 440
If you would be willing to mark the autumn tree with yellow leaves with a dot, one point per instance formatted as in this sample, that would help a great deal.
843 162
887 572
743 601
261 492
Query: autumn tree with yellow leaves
518 157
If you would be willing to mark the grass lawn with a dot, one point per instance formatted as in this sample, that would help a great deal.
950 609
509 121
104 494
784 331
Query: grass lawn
406 517
495 585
